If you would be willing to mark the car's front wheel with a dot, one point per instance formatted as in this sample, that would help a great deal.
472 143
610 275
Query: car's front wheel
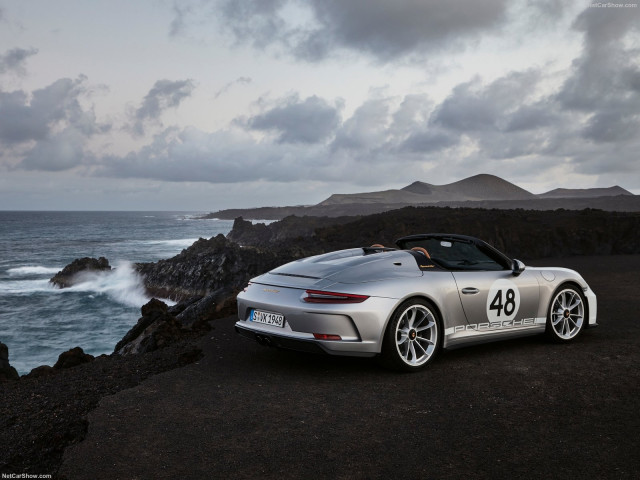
413 337
565 319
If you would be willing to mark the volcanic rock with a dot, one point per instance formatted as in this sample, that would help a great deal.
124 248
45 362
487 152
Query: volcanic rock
198 314
70 274
156 329
71 358
41 371
7 372
518 233
216 267
284 232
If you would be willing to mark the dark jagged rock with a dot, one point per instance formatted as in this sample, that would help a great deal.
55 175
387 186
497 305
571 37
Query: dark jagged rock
7 372
41 371
180 307
156 329
244 232
519 233
70 274
72 358
215 267
198 314
287 230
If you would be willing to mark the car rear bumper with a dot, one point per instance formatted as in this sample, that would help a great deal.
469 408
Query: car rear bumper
310 345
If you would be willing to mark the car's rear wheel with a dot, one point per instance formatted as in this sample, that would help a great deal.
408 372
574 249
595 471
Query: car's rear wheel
565 318
413 337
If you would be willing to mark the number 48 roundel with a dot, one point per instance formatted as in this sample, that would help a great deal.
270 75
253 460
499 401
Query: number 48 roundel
503 301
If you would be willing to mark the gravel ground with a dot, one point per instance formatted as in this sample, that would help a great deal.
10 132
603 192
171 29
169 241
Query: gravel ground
515 409
40 417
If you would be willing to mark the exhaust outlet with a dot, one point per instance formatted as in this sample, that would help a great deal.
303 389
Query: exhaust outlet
263 340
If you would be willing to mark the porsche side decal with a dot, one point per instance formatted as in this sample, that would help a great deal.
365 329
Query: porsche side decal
477 327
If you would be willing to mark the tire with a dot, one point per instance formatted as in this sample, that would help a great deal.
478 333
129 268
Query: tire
566 314
413 336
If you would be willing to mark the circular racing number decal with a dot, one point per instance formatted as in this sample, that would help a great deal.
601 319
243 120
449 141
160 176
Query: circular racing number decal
503 301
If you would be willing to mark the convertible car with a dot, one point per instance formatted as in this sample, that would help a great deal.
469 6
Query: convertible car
405 304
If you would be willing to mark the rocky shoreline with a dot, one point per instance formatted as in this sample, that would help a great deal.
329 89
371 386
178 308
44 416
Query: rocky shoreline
205 277
45 409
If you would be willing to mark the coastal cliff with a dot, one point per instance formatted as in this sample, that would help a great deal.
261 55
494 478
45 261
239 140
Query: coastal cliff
45 411
518 233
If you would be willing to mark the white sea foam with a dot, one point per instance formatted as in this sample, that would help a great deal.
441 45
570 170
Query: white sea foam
266 222
180 242
33 270
122 284
18 287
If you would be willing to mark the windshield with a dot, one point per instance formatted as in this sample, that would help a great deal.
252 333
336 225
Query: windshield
454 254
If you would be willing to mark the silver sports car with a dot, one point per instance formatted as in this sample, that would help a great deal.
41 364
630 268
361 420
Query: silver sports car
434 291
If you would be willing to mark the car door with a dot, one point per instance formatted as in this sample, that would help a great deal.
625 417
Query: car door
495 300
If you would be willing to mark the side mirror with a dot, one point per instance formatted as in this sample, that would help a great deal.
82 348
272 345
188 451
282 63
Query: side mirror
517 267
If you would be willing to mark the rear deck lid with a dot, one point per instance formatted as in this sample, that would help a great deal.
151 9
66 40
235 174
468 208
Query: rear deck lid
355 265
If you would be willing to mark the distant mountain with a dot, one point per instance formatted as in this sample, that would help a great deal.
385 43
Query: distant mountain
585 192
478 191
477 188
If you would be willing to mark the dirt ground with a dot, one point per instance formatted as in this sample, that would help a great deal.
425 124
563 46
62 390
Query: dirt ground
515 409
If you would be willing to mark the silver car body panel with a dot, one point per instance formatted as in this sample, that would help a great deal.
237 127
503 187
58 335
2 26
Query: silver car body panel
474 306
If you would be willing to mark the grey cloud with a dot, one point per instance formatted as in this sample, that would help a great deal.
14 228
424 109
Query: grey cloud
237 81
550 8
429 141
413 113
19 121
50 127
606 73
181 12
503 119
388 30
604 81
531 117
13 60
612 127
257 21
218 157
512 126
23 119
308 121
382 29
163 95
602 26
58 152
466 110
476 107
367 128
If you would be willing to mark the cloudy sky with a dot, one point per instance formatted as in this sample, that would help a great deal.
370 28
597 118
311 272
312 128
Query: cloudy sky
207 104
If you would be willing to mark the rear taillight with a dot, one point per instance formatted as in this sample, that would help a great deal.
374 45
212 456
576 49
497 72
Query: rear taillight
318 296
245 288
326 336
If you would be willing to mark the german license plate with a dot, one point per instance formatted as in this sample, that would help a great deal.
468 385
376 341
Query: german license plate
268 318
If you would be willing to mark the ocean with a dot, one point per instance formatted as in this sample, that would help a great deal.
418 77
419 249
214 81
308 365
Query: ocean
38 321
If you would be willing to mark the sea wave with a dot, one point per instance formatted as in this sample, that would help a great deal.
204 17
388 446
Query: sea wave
32 270
180 242
122 284
266 222
22 287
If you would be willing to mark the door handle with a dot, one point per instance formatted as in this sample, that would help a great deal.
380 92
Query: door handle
470 291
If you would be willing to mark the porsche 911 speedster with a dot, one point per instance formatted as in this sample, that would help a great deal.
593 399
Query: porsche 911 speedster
434 291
